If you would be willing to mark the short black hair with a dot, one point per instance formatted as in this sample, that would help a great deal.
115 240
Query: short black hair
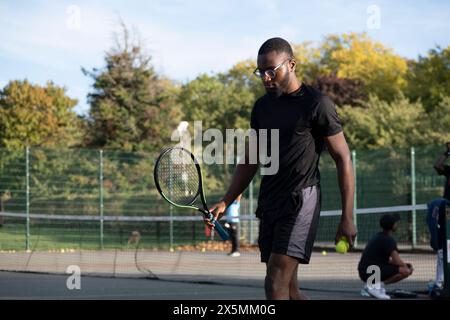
278 45
387 221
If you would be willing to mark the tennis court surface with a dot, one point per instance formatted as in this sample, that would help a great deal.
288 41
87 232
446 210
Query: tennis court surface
147 274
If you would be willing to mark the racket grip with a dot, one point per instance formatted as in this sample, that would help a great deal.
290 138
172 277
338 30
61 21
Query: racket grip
221 231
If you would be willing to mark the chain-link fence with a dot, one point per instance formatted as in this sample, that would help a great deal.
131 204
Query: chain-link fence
73 198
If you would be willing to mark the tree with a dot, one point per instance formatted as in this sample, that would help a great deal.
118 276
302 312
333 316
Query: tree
356 56
437 122
429 78
32 115
132 108
219 105
241 76
341 90
308 58
378 124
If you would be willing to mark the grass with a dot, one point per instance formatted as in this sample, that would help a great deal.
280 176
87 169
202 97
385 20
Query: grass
78 237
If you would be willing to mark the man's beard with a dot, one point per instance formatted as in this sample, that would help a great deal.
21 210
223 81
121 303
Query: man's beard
275 92
279 90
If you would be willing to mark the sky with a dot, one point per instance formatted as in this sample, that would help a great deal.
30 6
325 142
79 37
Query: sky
44 40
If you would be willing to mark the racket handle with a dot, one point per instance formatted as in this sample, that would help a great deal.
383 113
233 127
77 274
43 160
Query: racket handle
217 226
220 230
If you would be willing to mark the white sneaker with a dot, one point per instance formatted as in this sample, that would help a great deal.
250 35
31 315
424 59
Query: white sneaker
382 288
235 254
378 293
364 292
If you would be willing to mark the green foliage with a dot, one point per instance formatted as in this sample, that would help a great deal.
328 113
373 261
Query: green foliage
437 122
12 179
31 115
400 123
429 78
241 75
381 124
308 58
219 104
132 108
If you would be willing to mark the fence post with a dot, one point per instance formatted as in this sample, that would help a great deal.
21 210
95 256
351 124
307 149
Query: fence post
413 197
27 196
101 196
355 197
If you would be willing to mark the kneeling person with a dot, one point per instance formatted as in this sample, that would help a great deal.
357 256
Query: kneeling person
382 251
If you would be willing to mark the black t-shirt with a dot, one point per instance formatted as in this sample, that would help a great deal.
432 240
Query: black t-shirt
303 118
377 251
446 174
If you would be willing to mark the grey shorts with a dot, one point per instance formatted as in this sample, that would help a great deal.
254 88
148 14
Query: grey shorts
292 233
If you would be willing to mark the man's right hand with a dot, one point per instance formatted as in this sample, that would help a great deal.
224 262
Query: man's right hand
218 211
410 267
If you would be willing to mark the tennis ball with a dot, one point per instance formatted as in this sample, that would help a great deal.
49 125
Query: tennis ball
324 252
171 250
342 246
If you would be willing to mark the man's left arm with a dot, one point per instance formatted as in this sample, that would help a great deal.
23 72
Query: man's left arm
339 151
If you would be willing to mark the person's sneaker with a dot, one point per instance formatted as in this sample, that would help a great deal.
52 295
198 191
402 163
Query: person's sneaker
235 254
378 293
364 292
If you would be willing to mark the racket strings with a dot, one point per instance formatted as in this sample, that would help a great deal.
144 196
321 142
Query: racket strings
178 177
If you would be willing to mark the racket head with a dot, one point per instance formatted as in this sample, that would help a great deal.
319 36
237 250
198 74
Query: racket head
177 176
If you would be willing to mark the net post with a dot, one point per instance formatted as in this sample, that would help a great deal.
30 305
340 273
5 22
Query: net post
100 169
355 196
413 197
27 196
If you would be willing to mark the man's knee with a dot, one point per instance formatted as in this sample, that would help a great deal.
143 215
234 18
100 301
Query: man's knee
276 274
281 267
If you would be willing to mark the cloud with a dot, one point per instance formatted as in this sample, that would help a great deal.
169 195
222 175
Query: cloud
45 39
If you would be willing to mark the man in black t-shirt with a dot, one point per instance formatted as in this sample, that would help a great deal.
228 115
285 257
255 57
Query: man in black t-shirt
444 170
381 251
289 200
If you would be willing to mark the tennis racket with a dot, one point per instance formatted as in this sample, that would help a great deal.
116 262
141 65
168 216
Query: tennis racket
178 178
